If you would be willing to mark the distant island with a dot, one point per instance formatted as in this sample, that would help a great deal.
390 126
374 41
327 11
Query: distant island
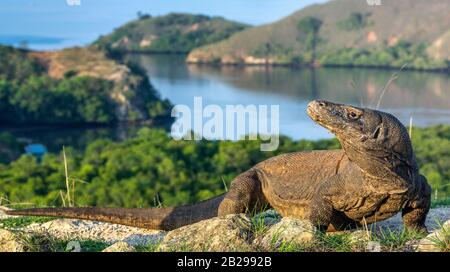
74 86
400 33
172 33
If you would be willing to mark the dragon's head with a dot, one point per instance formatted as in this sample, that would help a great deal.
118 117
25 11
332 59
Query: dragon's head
369 137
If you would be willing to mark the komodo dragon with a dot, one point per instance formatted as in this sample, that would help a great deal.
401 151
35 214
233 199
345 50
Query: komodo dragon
372 178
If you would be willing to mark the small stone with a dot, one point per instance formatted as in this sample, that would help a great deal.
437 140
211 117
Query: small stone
92 230
430 243
229 233
120 247
10 242
288 231
360 237
3 215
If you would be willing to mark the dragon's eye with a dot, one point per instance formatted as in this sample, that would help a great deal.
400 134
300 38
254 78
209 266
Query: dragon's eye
353 115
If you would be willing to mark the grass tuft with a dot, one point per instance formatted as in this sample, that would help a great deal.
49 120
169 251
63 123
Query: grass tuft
396 240
442 239
19 222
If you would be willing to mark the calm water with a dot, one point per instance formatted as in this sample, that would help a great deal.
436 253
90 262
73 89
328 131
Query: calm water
423 96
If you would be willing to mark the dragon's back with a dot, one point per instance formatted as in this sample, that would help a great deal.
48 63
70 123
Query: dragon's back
297 175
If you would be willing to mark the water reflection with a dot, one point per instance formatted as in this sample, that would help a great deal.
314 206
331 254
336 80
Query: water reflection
423 96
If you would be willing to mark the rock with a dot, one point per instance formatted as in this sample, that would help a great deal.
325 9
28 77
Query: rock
395 223
120 247
360 237
98 231
432 242
3 215
288 231
10 242
229 233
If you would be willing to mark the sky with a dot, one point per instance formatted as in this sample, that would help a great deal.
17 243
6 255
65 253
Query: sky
81 24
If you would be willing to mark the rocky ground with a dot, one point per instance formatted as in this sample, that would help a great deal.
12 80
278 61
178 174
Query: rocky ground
266 231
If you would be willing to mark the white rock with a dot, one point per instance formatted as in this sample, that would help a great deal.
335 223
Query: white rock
290 231
120 247
10 242
98 231
430 243
229 233
3 215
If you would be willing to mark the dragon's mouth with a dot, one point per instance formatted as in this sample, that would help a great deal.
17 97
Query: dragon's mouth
317 117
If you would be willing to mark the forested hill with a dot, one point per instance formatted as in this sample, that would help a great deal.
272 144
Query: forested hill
173 33
73 86
345 32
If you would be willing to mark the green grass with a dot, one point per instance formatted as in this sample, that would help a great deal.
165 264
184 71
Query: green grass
442 241
47 243
395 240
324 242
339 242
440 203
151 247
19 222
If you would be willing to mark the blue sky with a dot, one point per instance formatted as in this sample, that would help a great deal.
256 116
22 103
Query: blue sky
82 24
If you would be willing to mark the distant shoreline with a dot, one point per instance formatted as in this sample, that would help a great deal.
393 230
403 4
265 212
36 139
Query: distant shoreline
306 66
287 65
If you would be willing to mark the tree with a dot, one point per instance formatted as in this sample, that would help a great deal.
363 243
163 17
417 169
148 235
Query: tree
309 28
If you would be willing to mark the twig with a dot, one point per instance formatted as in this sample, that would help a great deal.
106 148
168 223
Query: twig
224 184
67 176
394 76
410 126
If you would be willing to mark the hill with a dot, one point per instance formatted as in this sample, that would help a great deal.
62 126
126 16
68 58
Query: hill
73 86
344 32
173 33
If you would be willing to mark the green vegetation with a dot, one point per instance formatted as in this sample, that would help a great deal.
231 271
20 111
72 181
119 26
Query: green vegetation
347 34
173 33
152 168
432 147
10 148
139 171
16 65
309 28
395 240
47 243
24 221
403 53
355 21
83 94
48 101
442 240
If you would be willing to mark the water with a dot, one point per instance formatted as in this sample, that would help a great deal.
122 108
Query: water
423 96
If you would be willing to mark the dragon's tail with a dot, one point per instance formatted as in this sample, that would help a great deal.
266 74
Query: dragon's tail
149 218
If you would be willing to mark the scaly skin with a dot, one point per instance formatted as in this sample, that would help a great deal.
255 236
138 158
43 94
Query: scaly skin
372 178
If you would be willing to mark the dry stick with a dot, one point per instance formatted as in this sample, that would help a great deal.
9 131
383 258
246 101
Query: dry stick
62 198
224 184
9 203
67 176
394 76
410 126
